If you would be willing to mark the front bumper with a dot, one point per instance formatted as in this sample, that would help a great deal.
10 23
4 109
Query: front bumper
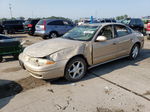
44 72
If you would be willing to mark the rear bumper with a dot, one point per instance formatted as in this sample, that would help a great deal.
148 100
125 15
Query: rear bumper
41 33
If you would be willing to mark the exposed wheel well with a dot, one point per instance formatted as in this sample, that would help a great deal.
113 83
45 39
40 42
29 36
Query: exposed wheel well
138 43
81 56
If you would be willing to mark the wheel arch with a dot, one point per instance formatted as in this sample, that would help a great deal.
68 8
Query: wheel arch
79 55
76 56
137 43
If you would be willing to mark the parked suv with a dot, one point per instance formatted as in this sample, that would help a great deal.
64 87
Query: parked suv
29 26
135 23
12 26
52 28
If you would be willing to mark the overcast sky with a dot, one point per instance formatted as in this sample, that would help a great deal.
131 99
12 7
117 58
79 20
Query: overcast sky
75 8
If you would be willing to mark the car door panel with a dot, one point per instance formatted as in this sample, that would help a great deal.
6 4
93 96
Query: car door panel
124 44
124 40
104 51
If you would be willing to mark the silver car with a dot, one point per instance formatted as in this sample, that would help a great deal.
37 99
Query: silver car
52 28
83 47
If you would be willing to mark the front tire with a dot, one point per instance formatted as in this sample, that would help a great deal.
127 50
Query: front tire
134 52
75 69
16 56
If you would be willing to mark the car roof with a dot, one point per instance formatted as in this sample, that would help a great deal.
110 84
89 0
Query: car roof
55 19
131 18
103 24
32 19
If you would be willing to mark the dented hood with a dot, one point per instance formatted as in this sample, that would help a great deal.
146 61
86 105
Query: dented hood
51 46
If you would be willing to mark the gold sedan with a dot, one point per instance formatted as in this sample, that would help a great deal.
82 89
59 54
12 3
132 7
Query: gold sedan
83 47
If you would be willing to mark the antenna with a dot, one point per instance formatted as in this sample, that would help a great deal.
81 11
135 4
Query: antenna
10 8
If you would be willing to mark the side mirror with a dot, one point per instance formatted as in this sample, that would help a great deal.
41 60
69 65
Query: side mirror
101 38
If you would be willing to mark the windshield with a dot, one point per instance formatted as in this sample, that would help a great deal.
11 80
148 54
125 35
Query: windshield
27 22
82 33
126 21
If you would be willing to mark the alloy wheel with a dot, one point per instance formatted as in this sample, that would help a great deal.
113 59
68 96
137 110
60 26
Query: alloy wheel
76 70
53 35
135 52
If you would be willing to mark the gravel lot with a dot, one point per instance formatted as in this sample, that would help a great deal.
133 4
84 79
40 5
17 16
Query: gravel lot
119 86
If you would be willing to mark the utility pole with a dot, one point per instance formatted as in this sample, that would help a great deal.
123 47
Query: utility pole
10 8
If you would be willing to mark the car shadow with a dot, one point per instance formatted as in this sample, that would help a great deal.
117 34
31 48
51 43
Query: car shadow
8 59
8 89
19 36
108 67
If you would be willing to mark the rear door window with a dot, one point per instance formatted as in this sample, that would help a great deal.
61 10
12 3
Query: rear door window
67 23
133 22
121 30
140 22
58 22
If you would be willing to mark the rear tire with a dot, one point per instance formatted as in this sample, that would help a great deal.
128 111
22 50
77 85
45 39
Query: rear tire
75 69
134 52
53 35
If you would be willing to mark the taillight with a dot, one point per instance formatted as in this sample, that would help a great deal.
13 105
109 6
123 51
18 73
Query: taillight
148 27
29 25
44 23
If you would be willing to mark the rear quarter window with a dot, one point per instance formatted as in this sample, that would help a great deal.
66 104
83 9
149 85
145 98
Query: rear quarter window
40 22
